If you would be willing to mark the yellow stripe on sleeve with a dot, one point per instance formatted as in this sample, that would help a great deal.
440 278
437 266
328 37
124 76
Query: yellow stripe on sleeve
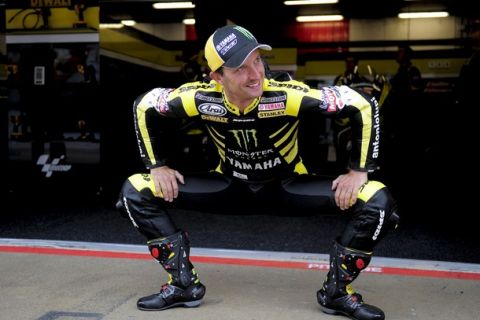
142 127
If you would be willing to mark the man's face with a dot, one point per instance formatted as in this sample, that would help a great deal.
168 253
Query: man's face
245 83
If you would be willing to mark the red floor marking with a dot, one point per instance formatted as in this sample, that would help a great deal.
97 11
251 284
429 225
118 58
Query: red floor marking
243 262
76 252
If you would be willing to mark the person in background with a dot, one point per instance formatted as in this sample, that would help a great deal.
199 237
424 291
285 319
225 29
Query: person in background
351 74
405 120
405 94
408 77
253 121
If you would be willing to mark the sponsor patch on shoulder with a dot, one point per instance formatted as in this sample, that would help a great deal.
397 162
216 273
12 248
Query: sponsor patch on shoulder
331 99
159 99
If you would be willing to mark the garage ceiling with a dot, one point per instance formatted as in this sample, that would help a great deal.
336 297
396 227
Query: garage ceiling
270 17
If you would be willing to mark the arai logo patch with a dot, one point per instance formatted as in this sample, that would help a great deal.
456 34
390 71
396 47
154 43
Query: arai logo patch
212 109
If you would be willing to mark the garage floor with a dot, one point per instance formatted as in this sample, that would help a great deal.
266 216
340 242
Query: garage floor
46 280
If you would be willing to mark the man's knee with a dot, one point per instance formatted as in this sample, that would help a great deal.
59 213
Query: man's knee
374 215
136 196
139 184
139 203
380 205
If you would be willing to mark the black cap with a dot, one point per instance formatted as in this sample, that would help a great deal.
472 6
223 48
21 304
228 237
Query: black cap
230 46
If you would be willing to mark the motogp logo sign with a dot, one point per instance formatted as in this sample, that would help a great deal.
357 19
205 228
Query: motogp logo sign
54 165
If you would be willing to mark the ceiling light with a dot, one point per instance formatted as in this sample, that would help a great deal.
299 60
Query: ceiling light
111 25
307 2
129 22
174 5
332 17
189 21
416 15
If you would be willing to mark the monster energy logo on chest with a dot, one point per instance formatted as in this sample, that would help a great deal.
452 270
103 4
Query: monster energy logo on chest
245 138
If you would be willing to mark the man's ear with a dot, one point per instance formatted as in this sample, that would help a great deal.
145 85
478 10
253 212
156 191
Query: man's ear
216 76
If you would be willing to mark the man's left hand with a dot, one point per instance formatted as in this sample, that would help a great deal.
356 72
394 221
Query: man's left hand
346 188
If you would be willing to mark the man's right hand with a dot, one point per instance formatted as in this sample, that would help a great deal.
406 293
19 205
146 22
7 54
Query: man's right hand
165 180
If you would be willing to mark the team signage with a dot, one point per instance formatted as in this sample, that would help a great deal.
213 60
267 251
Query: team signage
26 4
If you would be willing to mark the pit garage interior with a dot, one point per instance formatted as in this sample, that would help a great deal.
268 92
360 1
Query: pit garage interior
71 70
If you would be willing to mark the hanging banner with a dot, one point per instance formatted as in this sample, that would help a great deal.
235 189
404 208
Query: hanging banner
27 4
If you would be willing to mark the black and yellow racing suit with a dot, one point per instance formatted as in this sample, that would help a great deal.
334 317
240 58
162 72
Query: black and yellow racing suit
260 143
259 153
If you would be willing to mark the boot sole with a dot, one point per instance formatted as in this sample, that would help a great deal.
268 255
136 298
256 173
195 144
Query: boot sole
336 312
328 311
189 304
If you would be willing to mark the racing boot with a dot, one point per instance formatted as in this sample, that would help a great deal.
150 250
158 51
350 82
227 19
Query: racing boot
183 288
337 295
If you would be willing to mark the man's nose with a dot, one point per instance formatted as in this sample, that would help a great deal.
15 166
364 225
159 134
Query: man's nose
253 72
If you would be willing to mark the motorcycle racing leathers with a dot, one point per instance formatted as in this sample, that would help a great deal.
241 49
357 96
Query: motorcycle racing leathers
261 143
259 154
